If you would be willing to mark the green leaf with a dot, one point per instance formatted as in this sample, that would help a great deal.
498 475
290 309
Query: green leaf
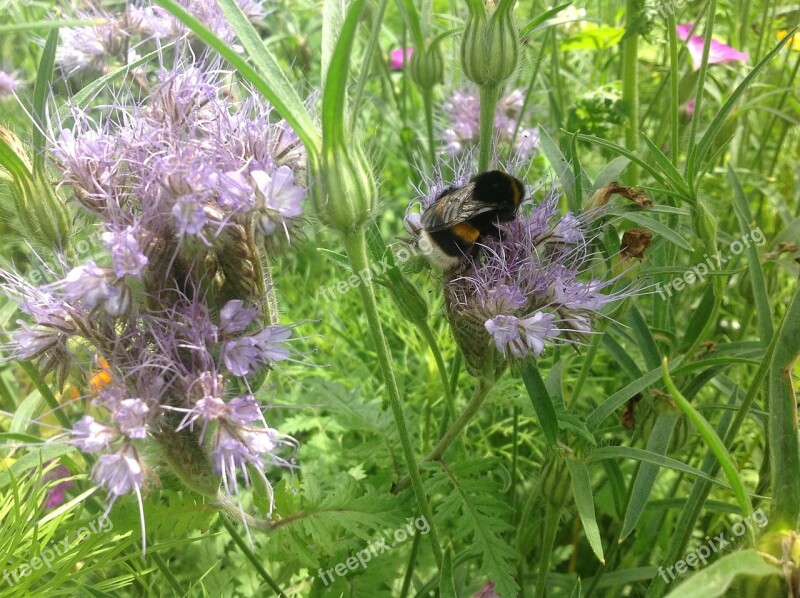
714 442
645 456
667 167
562 168
540 398
644 338
698 152
658 443
618 149
531 25
275 87
715 580
334 96
757 280
40 89
619 398
582 491
411 16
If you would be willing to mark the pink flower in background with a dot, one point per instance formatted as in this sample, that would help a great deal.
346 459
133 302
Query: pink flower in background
688 108
486 591
718 53
398 57
55 495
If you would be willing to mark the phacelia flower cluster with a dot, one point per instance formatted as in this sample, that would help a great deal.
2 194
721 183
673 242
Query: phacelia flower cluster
530 286
184 191
463 113
127 35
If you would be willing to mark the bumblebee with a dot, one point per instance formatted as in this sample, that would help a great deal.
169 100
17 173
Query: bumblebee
460 216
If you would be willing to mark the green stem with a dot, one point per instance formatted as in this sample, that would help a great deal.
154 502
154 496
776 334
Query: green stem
551 521
251 557
674 89
427 100
482 388
412 559
450 403
630 83
489 97
356 247
783 440
698 96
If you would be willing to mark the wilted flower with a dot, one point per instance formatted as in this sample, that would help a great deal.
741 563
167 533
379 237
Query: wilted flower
398 57
463 112
718 52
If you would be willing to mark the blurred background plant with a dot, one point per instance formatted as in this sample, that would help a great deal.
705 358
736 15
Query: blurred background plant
579 477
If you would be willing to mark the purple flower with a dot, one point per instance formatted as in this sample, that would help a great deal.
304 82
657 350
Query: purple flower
8 83
487 590
125 252
521 336
280 200
234 317
718 52
119 472
87 285
131 416
242 356
530 285
463 112
398 57
91 436
243 410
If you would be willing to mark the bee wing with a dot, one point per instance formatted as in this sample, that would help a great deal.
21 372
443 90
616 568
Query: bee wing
454 207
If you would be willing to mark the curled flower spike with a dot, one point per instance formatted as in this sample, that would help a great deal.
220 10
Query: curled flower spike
185 189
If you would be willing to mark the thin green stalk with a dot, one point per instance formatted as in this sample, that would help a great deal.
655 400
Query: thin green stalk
368 58
427 100
489 97
248 553
482 388
450 403
698 96
673 86
551 521
356 247
412 560
630 83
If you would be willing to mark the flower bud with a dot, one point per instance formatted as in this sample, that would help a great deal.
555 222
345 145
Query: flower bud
42 215
490 46
345 194
704 225
555 481
427 66
408 299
